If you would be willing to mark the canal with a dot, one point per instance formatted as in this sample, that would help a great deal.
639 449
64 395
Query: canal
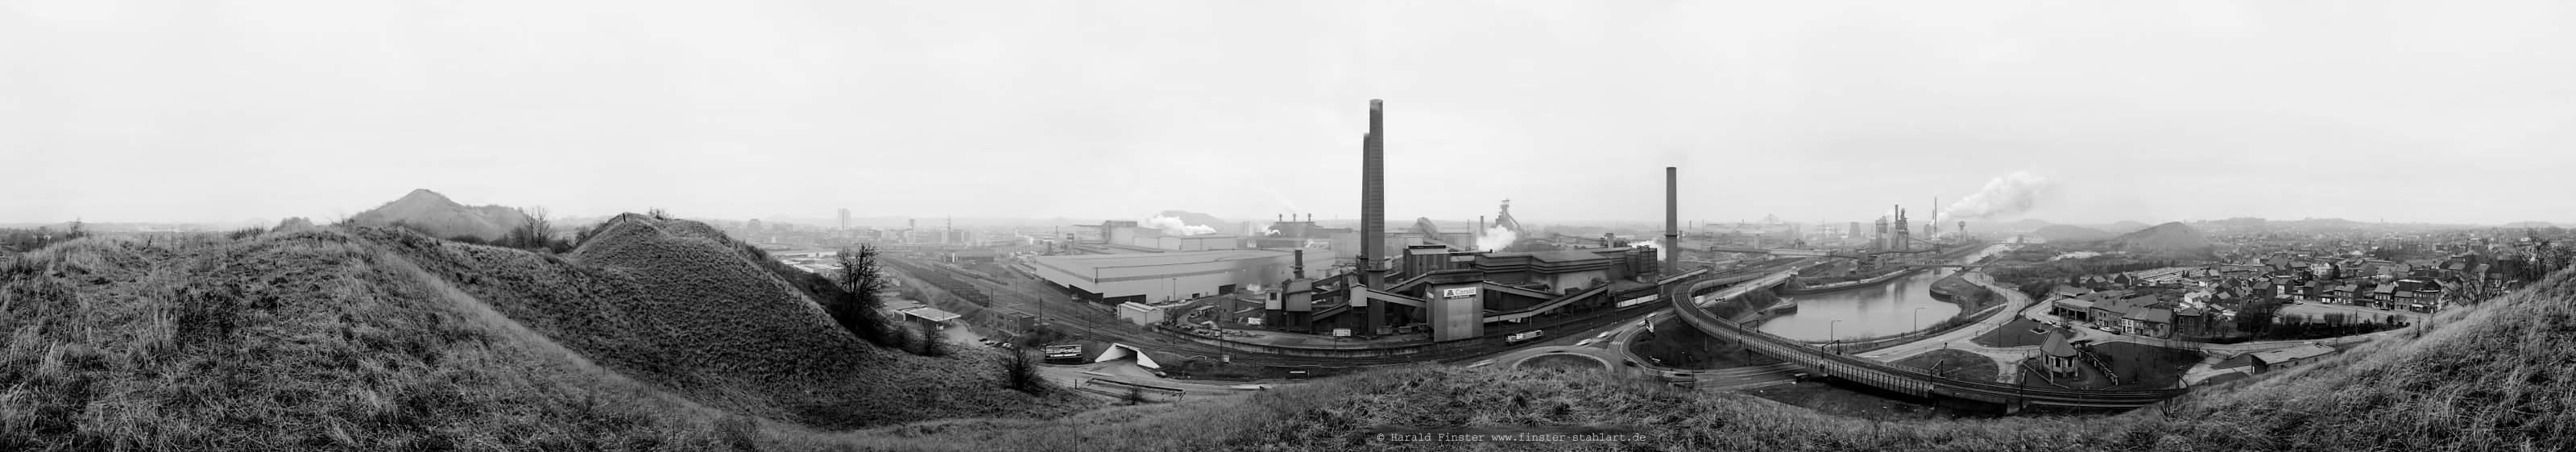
1875 311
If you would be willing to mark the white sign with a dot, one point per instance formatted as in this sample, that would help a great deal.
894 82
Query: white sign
1341 332
1462 292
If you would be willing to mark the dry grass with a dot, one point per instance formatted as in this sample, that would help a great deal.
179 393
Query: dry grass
674 303
288 342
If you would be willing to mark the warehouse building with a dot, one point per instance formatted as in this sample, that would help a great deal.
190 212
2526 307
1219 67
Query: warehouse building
1172 276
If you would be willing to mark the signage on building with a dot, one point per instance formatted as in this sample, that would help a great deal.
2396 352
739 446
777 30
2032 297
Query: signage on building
1462 292
1462 258
1341 332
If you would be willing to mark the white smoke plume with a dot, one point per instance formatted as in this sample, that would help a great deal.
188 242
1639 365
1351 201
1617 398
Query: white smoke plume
1648 241
1174 226
2011 194
1496 238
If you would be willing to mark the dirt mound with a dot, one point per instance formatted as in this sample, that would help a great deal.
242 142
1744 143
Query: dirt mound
433 214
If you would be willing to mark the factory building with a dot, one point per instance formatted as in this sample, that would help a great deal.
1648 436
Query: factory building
1174 275
1453 294
1427 279
1126 237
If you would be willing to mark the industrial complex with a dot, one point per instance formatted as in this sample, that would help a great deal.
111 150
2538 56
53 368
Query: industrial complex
1364 281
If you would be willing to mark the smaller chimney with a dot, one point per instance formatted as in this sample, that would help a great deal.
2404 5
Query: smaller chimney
1274 218
1297 267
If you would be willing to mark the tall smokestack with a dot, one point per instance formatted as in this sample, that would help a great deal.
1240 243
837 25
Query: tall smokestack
1672 222
1373 193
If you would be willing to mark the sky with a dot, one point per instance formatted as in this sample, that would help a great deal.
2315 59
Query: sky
186 111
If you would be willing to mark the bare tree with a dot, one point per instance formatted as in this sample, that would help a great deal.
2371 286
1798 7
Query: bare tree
1020 369
861 300
931 345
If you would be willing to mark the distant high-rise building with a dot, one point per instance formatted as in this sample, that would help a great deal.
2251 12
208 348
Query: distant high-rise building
845 219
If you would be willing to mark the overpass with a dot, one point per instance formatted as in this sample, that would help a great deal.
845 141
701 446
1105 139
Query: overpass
1901 379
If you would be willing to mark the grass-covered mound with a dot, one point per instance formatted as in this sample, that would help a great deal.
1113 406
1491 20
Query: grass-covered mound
383 339
309 340
675 303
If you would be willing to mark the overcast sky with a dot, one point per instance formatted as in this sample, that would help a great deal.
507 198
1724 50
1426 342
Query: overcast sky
192 111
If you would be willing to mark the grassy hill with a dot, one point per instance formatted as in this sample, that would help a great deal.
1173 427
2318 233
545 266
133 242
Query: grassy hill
2058 233
652 336
434 214
2169 239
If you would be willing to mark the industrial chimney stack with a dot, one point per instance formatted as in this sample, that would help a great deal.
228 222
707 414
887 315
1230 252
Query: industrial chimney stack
1672 222
1373 195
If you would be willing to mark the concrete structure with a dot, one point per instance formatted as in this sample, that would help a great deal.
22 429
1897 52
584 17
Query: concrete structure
1178 275
929 318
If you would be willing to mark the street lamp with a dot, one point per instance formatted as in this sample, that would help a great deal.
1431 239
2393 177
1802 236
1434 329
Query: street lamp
1837 339
1918 318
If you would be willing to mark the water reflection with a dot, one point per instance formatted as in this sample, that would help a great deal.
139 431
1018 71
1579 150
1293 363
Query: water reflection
1865 312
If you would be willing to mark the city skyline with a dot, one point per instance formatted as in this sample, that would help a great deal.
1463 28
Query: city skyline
2151 113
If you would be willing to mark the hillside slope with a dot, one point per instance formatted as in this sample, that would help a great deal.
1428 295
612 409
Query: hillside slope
2058 233
434 214
672 303
296 341
385 339
2171 238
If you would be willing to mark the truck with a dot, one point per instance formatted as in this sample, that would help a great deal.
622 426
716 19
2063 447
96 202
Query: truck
1524 336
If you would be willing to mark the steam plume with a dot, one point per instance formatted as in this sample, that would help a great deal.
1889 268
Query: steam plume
1174 226
1496 238
2011 194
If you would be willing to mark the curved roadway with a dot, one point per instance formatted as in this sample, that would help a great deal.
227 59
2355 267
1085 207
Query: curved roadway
1899 378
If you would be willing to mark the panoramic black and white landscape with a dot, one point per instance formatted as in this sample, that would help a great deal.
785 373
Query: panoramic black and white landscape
1287 226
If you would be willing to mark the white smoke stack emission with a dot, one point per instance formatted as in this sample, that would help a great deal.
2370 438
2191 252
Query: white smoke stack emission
2011 194
1174 226
1496 238
1649 242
